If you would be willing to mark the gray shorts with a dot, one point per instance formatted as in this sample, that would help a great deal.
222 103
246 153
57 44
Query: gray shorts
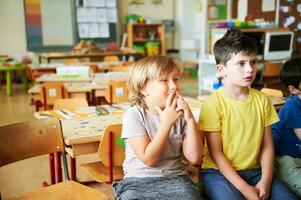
170 187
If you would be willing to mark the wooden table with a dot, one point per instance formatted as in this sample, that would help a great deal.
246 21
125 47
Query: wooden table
67 190
58 78
92 56
8 70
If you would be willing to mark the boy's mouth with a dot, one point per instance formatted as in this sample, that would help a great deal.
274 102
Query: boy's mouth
248 78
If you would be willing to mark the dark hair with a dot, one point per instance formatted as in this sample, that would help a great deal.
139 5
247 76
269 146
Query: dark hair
291 72
233 42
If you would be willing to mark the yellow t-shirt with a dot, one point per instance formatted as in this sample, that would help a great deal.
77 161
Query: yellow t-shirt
241 124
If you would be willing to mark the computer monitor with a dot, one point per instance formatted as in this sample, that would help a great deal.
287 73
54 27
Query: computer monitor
278 45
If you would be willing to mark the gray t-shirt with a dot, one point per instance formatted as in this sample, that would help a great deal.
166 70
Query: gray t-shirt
138 121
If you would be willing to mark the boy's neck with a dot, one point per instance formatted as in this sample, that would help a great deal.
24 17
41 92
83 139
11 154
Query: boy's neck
237 93
151 109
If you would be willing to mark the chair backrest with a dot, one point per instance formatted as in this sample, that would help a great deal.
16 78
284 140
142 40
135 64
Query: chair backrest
70 103
272 92
272 69
116 91
110 58
110 151
51 92
120 68
29 139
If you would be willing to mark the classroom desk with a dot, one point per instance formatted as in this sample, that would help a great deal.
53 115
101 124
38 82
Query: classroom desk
82 128
63 191
38 70
8 70
56 78
92 56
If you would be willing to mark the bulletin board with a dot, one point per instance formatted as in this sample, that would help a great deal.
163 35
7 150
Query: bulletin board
290 17
52 25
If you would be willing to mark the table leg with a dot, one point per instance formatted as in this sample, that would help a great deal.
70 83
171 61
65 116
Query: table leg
8 83
73 168
25 79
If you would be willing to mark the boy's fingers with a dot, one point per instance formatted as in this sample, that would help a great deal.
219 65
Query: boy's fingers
169 99
158 109
174 101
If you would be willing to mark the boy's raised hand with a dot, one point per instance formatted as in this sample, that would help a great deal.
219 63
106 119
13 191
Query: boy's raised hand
169 114
182 105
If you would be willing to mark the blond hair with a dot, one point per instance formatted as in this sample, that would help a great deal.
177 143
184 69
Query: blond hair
145 70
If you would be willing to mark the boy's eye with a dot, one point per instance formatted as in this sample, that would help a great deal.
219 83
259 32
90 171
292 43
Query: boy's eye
176 79
254 62
163 80
241 64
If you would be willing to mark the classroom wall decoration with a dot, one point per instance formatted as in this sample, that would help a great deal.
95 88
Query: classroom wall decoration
33 25
290 18
56 25
94 18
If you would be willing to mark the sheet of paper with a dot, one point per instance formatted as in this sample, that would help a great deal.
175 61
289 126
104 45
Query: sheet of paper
83 30
104 30
111 3
112 15
94 31
101 15
92 17
99 3
268 5
81 15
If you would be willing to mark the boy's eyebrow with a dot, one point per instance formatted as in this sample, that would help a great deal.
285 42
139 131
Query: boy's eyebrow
245 60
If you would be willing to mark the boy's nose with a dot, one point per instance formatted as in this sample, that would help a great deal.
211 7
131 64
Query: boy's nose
173 86
249 67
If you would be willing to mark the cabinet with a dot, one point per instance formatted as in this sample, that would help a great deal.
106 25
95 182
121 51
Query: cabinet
146 38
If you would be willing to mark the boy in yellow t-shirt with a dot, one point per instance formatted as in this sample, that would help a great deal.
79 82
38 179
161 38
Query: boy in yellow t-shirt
237 121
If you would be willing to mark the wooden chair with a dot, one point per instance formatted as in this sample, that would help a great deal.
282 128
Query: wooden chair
272 92
120 68
70 103
110 58
50 92
270 74
111 155
116 92
38 137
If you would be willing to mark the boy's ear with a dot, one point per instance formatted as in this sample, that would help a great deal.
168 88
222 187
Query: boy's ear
293 90
221 69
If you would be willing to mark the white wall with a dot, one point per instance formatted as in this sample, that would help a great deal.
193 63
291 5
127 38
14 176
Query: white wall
149 10
12 27
188 23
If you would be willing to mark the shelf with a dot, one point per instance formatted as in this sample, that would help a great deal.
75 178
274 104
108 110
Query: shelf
145 40
139 38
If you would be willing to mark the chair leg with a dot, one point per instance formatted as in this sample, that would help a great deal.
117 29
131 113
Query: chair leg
65 165
52 171
58 167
